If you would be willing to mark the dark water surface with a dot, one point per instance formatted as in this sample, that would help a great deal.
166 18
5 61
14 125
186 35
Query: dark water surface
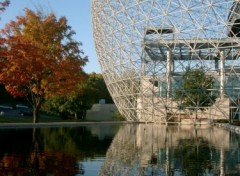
128 149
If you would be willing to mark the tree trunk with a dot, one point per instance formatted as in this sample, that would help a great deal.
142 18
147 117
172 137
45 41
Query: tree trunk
35 115
35 157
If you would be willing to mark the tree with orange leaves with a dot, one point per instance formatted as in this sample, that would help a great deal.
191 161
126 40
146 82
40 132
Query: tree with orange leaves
40 58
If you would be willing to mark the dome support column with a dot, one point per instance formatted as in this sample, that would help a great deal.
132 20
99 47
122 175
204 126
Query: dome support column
222 73
168 73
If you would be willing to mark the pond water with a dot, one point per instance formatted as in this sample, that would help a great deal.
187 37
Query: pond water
127 149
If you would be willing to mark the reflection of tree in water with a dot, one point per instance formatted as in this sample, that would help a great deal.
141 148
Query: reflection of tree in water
194 155
67 146
77 141
55 151
18 141
43 160
33 162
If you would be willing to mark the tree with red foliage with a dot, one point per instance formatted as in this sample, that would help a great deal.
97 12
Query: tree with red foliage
39 58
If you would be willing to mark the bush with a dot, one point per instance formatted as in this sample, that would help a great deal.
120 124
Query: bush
118 117
221 121
236 123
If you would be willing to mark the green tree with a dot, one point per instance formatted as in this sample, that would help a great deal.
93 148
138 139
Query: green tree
195 92
98 88
77 104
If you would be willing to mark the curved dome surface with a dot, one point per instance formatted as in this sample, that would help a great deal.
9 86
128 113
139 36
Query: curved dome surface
148 48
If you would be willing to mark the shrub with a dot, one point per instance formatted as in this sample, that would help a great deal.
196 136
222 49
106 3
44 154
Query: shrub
118 117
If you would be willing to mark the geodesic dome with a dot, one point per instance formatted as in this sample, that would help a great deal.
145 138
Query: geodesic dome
147 47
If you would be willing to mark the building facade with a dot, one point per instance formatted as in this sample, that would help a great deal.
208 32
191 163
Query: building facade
145 47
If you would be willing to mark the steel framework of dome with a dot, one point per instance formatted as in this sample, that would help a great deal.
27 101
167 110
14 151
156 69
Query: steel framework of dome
145 48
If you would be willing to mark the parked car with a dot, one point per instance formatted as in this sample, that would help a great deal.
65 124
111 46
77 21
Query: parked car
6 106
25 112
21 106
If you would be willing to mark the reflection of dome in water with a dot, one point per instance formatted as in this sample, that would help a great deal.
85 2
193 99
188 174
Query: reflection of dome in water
145 46
147 148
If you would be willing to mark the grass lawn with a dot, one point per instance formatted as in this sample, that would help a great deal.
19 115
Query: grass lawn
28 119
